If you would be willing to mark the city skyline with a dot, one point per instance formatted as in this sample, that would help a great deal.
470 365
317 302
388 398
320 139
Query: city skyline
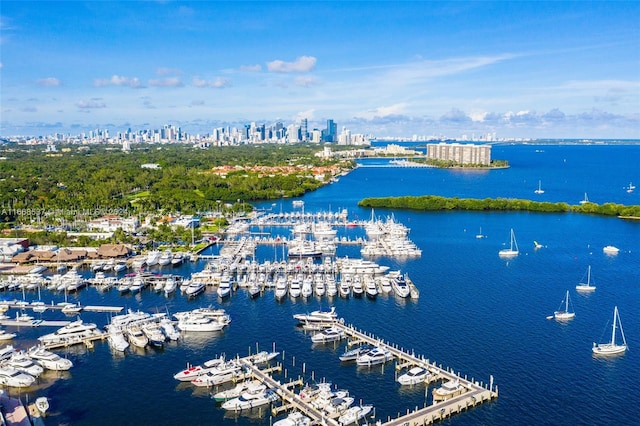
520 70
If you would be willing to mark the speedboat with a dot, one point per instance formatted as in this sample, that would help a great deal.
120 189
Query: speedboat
22 362
370 287
252 398
169 330
414 376
448 390
338 405
9 376
6 336
154 333
42 404
328 335
199 322
374 357
400 286
48 359
294 289
281 288
611 250
136 336
354 414
262 357
295 418
193 371
224 289
117 339
194 289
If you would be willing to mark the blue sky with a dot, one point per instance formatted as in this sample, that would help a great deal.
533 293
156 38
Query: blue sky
519 69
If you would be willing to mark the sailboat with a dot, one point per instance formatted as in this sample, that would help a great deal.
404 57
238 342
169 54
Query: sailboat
479 235
631 187
566 314
539 190
513 247
586 286
585 200
612 348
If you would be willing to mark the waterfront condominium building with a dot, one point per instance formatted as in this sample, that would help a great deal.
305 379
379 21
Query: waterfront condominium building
460 153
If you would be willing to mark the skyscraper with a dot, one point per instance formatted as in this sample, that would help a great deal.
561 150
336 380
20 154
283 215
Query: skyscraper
331 132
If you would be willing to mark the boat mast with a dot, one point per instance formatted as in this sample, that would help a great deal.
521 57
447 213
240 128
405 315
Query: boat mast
613 329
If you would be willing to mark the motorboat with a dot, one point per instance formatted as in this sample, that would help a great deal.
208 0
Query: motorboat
222 373
448 390
356 287
11 377
117 339
199 322
22 362
74 332
281 288
154 334
352 354
170 286
235 391
354 414
294 418
136 336
193 371
612 250
375 356
295 290
168 329
253 397
307 287
42 404
194 289
48 359
262 357
4 335
370 287
331 334
400 286
345 287
224 289
414 376
327 315
338 405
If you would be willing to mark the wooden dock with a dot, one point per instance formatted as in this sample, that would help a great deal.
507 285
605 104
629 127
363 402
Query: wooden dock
476 392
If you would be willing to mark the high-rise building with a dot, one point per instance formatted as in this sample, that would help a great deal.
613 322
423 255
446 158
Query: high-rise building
331 132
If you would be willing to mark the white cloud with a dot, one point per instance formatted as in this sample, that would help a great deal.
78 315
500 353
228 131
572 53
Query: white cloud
308 114
217 83
117 80
251 68
383 111
301 64
166 82
91 104
49 82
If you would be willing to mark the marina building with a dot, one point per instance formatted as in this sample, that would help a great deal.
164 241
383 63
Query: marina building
460 153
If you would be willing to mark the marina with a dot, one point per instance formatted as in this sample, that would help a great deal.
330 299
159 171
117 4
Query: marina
475 311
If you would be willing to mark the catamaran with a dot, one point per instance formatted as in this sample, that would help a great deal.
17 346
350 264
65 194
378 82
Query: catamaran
612 348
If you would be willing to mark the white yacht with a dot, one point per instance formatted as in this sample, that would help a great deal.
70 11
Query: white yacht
328 335
48 359
448 390
11 377
198 322
223 373
295 418
328 315
354 414
611 250
193 371
236 391
374 357
399 285
252 398
74 332
224 289
169 329
194 289
281 288
294 288
23 362
136 336
414 376
117 339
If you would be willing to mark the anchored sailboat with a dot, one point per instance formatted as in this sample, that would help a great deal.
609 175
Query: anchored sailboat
566 314
586 286
513 247
612 348
539 190
585 200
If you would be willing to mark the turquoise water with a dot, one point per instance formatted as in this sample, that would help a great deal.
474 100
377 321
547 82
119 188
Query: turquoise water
477 313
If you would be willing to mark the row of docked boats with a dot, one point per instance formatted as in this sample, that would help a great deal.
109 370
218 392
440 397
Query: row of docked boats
220 370
21 368
333 403
140 329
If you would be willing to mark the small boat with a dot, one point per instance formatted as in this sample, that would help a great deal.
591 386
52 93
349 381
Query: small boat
586 287
585 200
612 348
564 314
479 235
9 376
612 250
539 190
414 376
295 418
354 414
448 390
630 187
513 247
6 336
42 404
328 335
254 290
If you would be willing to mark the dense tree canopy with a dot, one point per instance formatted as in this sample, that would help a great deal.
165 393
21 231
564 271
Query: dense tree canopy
435 203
